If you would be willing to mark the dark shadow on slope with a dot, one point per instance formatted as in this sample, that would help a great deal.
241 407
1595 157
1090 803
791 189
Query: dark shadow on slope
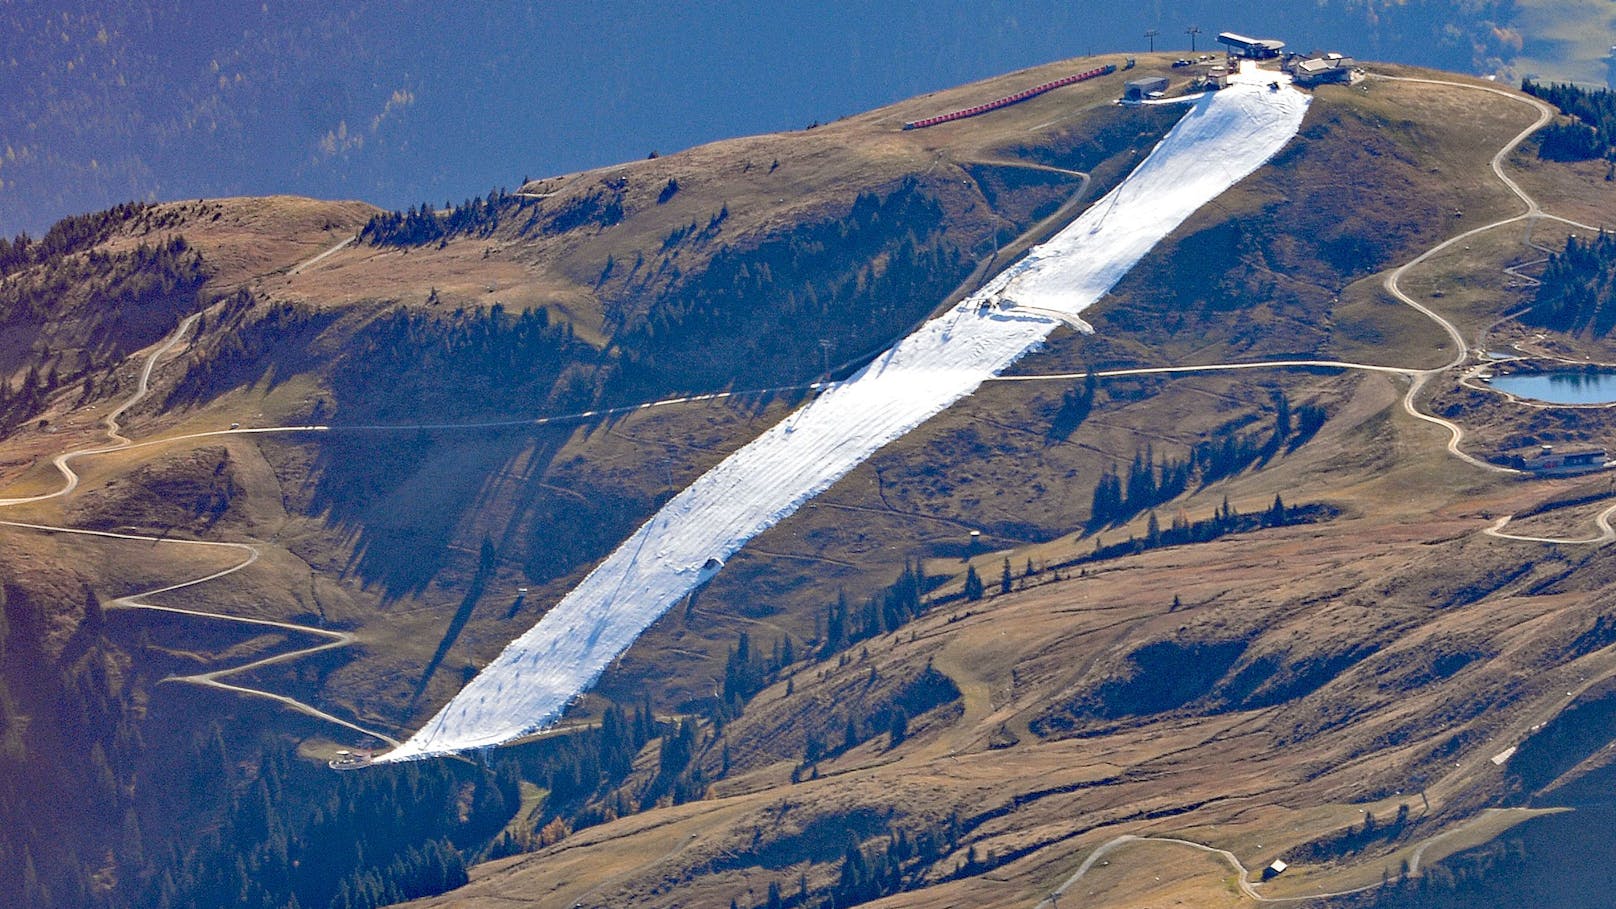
400 496
1021 193
487 560
1275 678
1159 677
1574 735
759 313
253 344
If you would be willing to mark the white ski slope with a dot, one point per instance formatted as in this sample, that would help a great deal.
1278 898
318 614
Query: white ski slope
1221 139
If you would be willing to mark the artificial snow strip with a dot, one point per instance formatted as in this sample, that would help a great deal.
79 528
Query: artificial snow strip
1222 138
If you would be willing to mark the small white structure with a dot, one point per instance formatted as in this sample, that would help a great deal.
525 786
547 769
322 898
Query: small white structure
1274 870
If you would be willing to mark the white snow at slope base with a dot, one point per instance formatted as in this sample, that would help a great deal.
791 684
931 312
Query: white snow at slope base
1222 138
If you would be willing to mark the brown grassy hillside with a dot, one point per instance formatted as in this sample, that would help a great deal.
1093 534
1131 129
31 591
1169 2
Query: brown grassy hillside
1256 693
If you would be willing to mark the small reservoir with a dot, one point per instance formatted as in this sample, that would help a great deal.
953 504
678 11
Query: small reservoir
1569 386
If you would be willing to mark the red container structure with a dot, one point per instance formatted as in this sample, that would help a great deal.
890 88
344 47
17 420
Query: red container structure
1008 100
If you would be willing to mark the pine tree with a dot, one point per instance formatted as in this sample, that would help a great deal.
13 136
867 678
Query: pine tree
1276 513
1107 505
973 584
836 625
898 730
1004 577
94 614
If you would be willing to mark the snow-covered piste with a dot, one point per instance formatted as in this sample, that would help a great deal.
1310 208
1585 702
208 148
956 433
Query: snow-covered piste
1222 138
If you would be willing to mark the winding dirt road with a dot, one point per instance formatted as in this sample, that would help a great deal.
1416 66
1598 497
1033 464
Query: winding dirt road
331 640
1418 378
1461 354
249 554
1247 889
337 639
1392 282
113 431
1601 520
1243 874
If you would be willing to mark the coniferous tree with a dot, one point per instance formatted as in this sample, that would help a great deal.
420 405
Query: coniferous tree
898 730
973 584
1276 513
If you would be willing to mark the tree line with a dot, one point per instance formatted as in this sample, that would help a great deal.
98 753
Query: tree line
408 363
1151 481
124 300
840 627
297 834
860 723
1223 521
858 279
423 224
1355 838
895 859
1578 289
402 365
480 216
70 235
1592 132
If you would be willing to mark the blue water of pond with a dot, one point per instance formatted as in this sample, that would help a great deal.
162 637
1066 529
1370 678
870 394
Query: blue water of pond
1567 387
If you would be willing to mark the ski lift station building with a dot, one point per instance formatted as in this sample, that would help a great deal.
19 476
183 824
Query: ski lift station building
1251 48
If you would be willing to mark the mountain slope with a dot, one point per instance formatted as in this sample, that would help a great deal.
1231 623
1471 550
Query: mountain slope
532 681
432 491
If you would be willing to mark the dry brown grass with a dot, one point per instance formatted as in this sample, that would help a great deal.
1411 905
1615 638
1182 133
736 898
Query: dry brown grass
763 182
1403 571
1467 283
1578 190
1219 775
244 238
